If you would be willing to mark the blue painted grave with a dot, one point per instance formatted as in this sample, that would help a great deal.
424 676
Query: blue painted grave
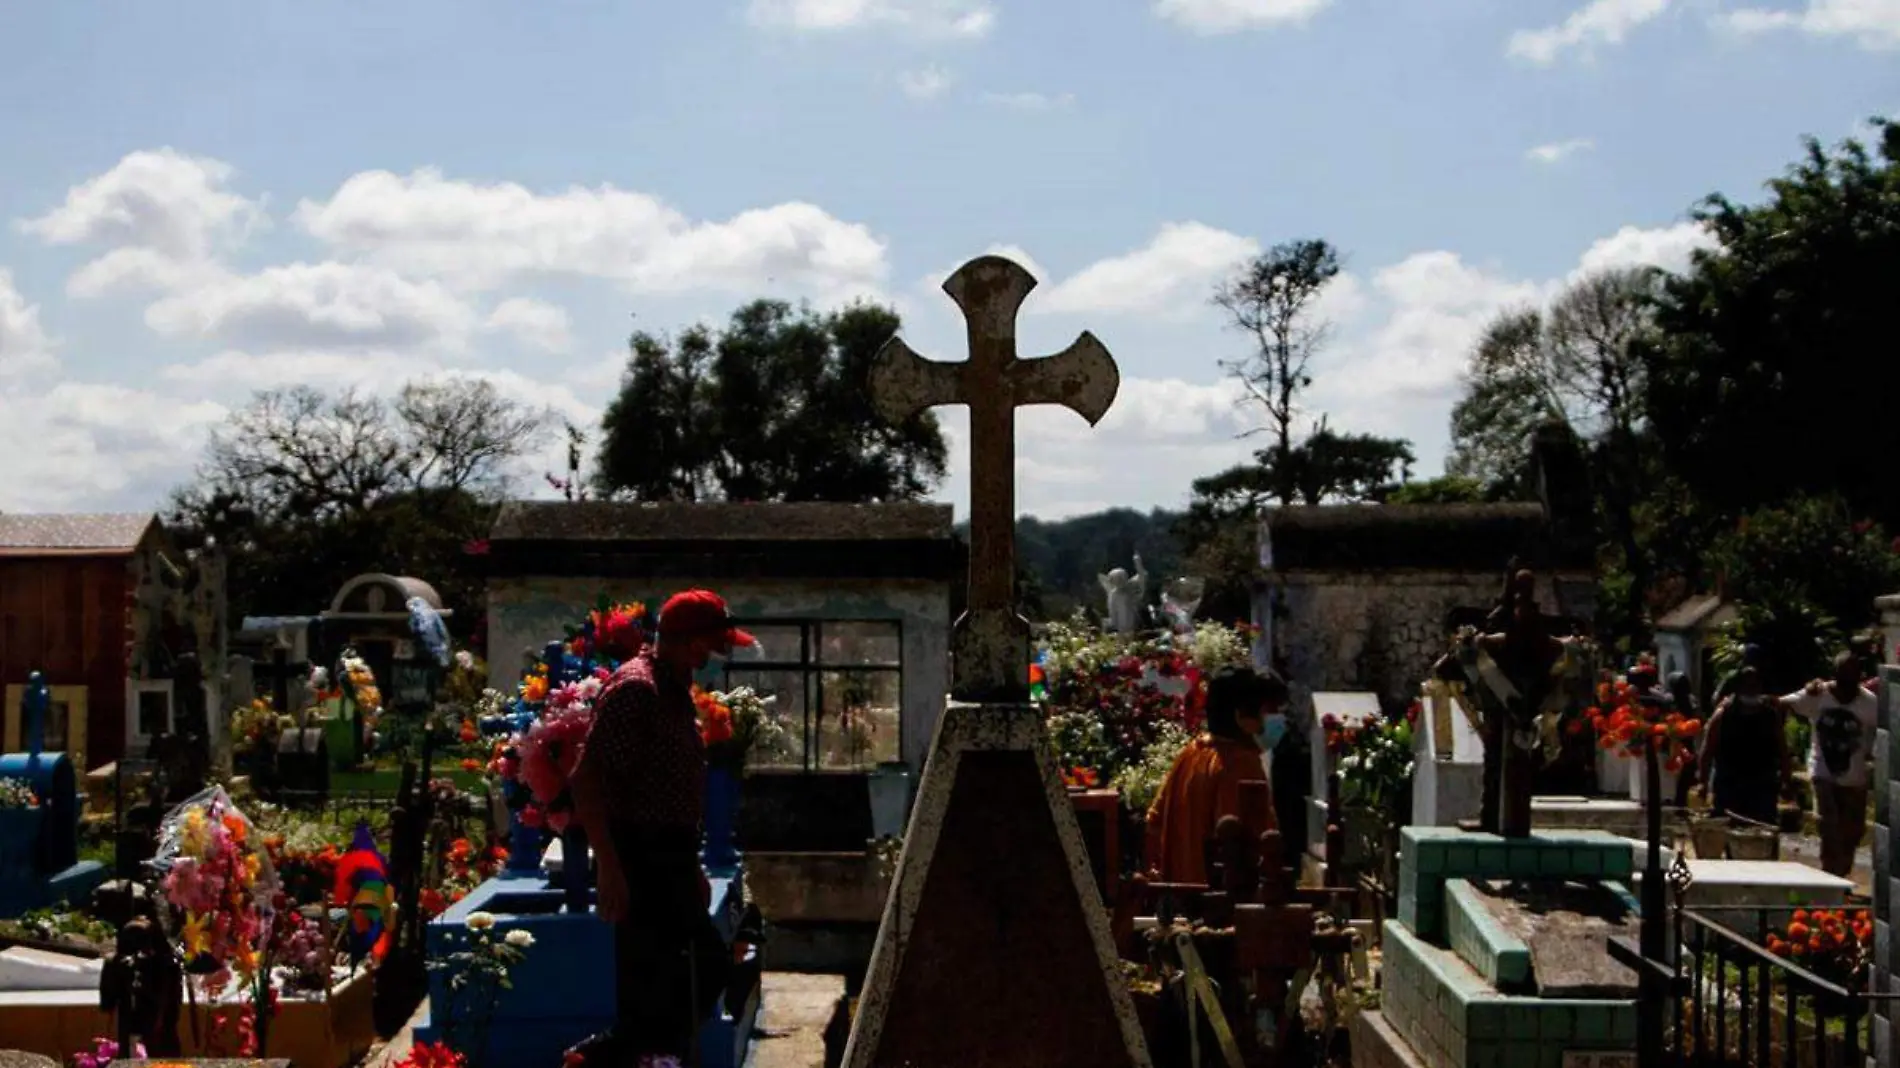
563 991
39 847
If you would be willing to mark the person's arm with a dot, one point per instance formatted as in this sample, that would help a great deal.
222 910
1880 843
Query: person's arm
1805 702
1705 755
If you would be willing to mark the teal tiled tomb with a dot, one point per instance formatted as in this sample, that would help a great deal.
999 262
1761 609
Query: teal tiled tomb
1499 955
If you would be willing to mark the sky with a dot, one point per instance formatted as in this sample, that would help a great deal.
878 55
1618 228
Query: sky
200 200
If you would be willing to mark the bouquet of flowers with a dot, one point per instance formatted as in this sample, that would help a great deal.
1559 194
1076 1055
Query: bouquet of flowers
1833 944
736 724
18 793
218 877
257 725
1633 719
1374 758
547 720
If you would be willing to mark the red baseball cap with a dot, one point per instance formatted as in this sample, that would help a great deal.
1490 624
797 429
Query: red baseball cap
696 612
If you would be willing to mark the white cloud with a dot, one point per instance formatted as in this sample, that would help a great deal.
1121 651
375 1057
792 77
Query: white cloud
1030 101
1174 272
315 305
25 347
1231 16
1600 22
1557 151
79 444
926 18
234 371
1872 24
1668 247
927 83
483 235
536 323
162 200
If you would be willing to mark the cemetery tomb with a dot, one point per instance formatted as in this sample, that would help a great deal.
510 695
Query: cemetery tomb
1499 953
39 845
563 989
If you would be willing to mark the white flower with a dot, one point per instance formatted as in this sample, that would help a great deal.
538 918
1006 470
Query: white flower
465 660
518 938
480 921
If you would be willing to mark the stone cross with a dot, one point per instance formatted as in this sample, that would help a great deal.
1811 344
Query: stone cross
991 643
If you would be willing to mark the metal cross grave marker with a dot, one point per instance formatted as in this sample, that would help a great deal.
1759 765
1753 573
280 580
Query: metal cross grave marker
991 643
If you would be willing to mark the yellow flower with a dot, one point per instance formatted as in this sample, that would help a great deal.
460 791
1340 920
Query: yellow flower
196 939
197 836
245 959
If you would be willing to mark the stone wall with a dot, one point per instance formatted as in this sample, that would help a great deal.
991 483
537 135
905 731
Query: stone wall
1380 631
526 613
1886 847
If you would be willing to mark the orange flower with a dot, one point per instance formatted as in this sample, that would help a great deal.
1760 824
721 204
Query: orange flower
534 688
471 765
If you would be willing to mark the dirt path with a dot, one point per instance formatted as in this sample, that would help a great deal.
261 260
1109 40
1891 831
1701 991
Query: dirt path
791 1030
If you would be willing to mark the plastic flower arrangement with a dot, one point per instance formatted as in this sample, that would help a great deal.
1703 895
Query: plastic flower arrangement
369 699
104 1051
739 725
17 793
546 723
257 725
432 1055
220 879
1129 686
1140 782
1374 757
306 875
1632 718
1833 944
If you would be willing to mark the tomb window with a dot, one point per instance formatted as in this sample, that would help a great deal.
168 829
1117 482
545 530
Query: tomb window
839 685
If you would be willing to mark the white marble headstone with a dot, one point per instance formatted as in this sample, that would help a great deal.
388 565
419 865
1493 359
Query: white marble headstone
1348 708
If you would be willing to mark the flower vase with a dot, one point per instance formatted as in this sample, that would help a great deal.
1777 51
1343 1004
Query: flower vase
524 842
890 799
720 855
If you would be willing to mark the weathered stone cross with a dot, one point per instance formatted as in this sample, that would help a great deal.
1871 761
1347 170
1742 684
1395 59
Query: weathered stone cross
991 643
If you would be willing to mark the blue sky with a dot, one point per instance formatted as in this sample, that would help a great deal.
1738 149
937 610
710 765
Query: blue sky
202 199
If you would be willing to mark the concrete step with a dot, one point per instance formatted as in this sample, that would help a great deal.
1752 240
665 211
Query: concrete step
1486 947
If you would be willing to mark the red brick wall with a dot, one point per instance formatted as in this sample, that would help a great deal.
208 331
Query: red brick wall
67 617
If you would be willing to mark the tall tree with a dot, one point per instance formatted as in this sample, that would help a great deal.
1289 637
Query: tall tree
1271 300
305 488
1507 395
774 406
1579 364
1766 374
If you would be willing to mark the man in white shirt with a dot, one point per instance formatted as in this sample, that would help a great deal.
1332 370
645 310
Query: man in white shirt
1840 759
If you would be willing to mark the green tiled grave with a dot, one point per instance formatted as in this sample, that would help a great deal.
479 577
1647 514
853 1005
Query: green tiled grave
1481 942
1430 855
1450 1016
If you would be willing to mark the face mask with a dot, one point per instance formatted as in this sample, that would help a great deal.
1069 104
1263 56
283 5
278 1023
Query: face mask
1272 730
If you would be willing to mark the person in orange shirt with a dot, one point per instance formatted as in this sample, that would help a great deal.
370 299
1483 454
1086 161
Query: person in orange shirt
1203 785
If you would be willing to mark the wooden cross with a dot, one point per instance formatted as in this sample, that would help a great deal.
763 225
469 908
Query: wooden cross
990 646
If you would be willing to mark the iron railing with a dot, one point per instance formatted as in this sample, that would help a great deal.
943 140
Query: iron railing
1739 1004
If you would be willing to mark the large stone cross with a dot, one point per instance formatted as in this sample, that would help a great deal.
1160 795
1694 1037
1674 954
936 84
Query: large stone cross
991 642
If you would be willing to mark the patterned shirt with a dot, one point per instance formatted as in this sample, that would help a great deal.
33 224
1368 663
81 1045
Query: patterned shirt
646 739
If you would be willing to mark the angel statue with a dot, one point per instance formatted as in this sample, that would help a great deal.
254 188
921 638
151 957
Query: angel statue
1125 594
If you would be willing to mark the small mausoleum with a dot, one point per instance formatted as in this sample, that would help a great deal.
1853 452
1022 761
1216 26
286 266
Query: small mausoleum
1356 597
850 604
1686 636
116 618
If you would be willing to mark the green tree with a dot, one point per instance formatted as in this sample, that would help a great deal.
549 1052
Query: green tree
1271 300
772 407
1581 364
1445 489
1766 372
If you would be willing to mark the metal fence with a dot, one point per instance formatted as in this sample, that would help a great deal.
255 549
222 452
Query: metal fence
1737 1003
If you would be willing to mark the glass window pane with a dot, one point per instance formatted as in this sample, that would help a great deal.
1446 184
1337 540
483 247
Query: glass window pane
779 643
58 718
789 689
859 727
877 642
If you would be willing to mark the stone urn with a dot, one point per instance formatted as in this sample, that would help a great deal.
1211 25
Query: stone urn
1753 843
1710 837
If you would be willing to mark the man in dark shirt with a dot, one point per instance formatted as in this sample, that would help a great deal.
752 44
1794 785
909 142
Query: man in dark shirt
638 792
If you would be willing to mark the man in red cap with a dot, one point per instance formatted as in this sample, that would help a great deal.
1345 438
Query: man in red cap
638 792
